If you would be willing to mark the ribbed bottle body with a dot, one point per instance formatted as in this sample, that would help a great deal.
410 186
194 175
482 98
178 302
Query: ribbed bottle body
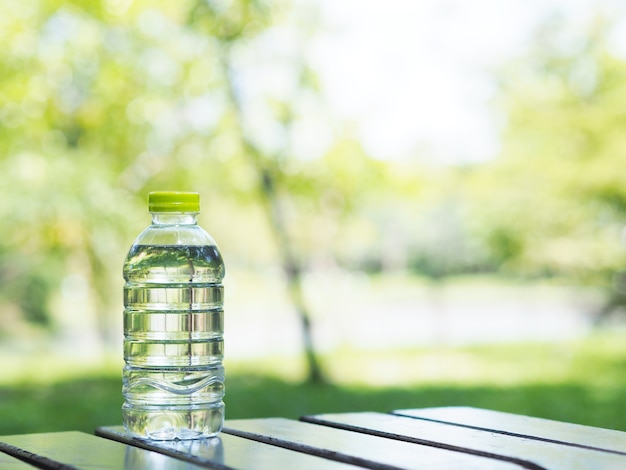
173 378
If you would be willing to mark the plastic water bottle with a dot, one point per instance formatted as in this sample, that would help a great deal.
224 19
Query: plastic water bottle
173 378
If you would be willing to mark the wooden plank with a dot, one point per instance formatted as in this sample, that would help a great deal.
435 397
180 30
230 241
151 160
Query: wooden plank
357 448
525 426
527 452
8 462
76 450
228 451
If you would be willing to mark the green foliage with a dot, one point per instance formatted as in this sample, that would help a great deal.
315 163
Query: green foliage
554 202
101 102
100 106
230 22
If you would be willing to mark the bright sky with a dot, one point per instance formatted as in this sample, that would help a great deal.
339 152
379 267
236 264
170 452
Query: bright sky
413 75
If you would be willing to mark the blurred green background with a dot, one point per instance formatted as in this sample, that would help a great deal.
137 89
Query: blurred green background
440 272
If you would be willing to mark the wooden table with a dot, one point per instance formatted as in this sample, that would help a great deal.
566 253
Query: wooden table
429 438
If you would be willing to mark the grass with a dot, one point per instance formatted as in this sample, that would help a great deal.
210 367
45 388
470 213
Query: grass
577 381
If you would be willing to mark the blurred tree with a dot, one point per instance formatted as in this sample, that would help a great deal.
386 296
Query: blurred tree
100 103
230 26
555 202
105 101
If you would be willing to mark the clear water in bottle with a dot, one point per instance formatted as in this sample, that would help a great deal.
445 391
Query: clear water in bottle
173 379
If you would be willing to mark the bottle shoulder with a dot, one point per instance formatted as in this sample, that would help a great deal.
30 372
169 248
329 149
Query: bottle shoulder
174 264
174 253
190 235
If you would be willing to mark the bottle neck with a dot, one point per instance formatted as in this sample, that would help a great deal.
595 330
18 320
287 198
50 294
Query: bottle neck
174 218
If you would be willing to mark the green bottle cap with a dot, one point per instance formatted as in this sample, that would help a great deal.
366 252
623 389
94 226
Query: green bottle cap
173 201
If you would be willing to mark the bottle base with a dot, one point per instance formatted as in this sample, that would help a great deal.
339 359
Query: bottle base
168 423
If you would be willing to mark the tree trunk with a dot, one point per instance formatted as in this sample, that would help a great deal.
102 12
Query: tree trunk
268 183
